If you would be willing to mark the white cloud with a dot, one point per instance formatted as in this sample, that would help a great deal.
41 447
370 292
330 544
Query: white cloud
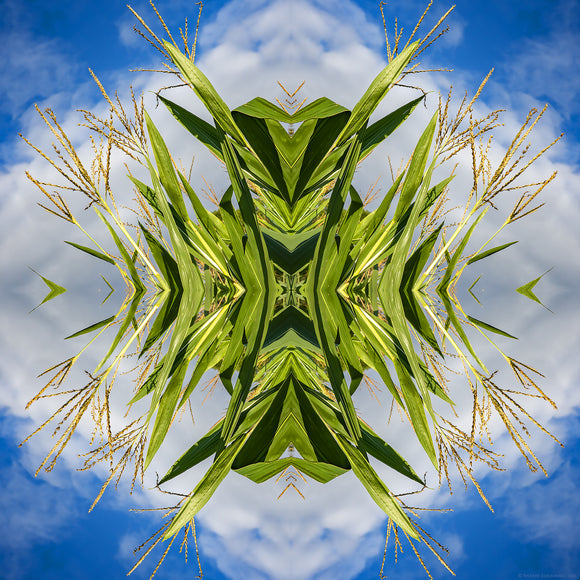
30 70
30 509
545 66
548 512
32 512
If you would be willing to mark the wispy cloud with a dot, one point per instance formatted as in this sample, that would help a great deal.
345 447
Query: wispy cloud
31 69
32 512
545 65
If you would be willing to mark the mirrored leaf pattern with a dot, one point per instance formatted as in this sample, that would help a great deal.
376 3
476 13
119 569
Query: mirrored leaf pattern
290 293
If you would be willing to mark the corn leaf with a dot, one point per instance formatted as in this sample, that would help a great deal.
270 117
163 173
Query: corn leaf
376 488
137 284
206 487
527 290
206 93
490 252
200 129
92 327
261 472
263 109
375 93
92 252
197 453
415 173
54 289
489 327
381 129
380 450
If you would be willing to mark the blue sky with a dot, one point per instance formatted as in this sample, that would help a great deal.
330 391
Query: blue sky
245 47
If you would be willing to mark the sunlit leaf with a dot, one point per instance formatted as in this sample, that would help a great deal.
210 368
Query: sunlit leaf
54 289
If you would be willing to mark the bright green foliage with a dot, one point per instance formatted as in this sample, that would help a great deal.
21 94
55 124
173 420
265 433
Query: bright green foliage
291 291
293 259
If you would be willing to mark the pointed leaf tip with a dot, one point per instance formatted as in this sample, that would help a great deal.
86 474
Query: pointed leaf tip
527 289
55 289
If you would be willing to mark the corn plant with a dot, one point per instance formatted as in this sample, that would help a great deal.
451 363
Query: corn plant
291 291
